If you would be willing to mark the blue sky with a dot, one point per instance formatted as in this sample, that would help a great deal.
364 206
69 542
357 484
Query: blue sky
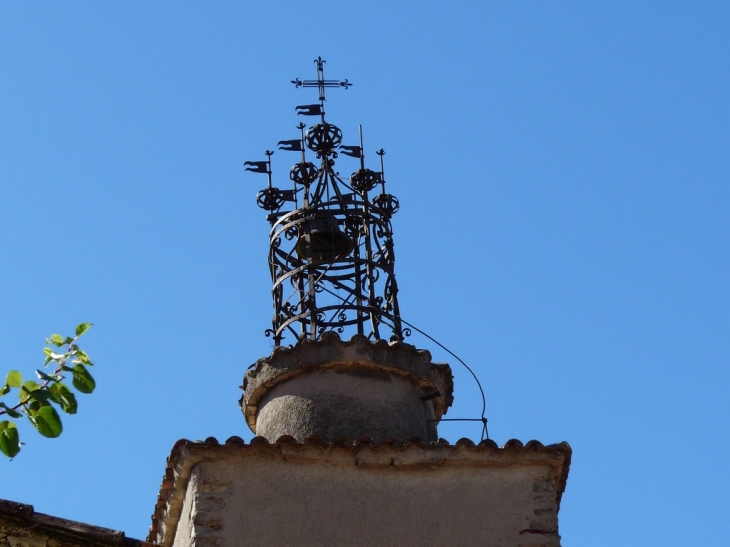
562 169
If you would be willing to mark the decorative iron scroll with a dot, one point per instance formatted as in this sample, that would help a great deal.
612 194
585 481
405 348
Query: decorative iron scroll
331 241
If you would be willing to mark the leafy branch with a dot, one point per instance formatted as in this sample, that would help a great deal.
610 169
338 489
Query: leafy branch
36 400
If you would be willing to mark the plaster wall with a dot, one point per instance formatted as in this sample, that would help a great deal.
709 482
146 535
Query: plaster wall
267 500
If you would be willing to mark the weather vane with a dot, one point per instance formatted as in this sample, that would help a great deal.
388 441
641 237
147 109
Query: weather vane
320 83
331 250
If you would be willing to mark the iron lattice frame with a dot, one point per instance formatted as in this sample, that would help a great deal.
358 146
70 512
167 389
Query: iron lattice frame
354 291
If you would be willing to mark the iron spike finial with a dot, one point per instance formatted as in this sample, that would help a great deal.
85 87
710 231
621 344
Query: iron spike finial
381 153
362 148
269 153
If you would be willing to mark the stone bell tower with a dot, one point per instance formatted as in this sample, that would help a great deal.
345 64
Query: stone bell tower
345 411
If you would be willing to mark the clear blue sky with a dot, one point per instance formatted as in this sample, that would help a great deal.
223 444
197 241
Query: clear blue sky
563 173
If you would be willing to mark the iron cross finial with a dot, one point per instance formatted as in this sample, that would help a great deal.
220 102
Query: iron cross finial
320 83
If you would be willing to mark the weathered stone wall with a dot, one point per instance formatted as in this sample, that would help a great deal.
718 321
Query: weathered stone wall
186 533
21 526
295 505
201 521
303 496
14 535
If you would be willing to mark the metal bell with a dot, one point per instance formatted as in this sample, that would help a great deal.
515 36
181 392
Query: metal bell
324 240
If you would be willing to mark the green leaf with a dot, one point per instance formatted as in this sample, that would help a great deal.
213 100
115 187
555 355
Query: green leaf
64 396
47 351
41 395
83 381
14 379
47 421
30 385
82 328
56 339
9 439
4 390
27 388
83 358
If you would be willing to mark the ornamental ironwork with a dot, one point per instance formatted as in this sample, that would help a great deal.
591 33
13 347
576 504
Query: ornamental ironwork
331 240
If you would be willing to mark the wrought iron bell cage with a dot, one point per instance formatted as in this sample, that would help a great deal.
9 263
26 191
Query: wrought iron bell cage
331 240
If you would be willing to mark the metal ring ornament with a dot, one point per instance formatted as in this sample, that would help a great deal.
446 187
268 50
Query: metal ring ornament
387 203
270 199
364 180
303 173
323 138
